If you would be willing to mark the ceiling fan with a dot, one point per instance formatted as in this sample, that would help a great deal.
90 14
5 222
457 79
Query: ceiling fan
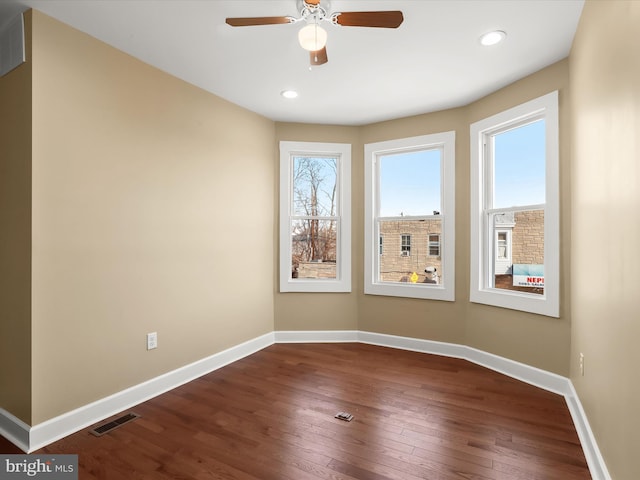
313 37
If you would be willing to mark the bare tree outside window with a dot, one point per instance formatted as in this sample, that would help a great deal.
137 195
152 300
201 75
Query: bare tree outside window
314 219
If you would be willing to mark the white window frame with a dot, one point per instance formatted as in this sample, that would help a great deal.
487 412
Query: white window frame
372 286
482 239
342 282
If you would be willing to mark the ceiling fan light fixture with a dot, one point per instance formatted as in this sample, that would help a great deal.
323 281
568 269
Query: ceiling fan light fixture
492 38
312 37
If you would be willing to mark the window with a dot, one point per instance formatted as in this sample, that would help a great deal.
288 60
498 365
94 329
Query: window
405 245
434 245
501 246
515 208
409 199
315 217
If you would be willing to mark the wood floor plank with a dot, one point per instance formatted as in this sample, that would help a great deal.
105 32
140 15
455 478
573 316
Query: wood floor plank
270 416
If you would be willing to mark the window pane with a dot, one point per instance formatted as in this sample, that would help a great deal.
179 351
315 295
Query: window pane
519 166
502 245
313 248
314 186
434 245
418 266
315 217
410 183
515 190
525 271
405 244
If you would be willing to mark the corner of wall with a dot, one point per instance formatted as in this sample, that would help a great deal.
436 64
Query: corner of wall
15 249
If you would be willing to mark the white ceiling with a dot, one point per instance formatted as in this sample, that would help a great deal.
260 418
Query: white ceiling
433 61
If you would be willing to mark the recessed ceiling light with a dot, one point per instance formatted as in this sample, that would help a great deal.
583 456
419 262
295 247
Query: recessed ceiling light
289 93
492 38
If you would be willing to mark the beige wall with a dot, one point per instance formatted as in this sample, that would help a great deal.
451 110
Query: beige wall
605 86
433 320
152 211
133 176
536 340
15 246
532 339
320 311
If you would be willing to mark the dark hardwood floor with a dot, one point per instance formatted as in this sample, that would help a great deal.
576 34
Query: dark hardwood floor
270 416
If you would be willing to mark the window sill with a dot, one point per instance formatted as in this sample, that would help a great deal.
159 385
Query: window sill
513 300
423 291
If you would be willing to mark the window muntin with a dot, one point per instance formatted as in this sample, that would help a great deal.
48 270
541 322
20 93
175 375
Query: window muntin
314 217
409 199
515 214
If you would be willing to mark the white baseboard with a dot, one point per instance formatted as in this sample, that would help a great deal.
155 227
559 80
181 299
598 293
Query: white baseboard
520 371
413 344
316 336
14 430
532 375
32 438
70 422
597 466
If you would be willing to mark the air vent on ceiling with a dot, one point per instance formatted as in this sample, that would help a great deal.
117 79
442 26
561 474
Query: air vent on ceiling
12 51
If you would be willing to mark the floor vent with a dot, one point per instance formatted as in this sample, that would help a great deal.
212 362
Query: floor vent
347 417
118 422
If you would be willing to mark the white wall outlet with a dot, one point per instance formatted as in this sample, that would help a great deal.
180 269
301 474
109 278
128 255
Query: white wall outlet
152 340
582 364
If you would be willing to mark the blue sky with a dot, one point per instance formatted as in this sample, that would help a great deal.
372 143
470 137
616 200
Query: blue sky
519 166
410 182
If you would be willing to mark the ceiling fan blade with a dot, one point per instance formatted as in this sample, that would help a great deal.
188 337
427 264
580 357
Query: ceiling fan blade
252 21
319 57
384 19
